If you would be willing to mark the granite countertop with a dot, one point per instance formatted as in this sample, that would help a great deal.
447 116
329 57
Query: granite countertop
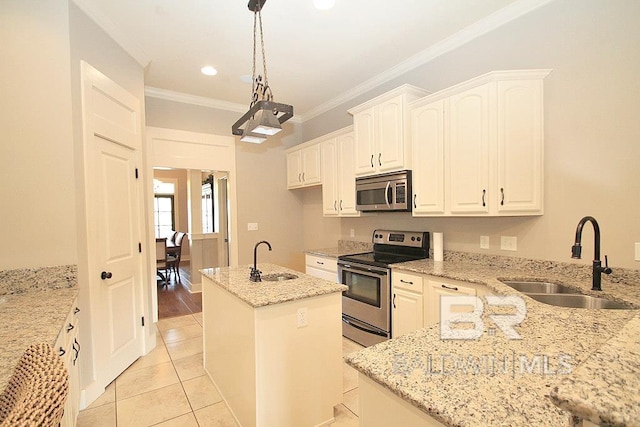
34 304
495 380
345 247
259 294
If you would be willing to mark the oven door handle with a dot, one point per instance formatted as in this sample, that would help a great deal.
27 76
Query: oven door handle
387 197
363 269
367 330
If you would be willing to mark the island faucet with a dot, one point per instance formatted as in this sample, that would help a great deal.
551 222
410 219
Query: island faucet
255 273
576 251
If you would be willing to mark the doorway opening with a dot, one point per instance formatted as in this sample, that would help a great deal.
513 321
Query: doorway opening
191 218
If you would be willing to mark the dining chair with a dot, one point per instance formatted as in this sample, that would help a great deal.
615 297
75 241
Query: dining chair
173 258
37 390
161 259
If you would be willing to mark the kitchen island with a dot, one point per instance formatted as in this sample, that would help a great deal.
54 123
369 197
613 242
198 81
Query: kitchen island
494 380
273 348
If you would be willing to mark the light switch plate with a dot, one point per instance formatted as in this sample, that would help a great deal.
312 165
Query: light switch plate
484 242
637 257
508 243
252 226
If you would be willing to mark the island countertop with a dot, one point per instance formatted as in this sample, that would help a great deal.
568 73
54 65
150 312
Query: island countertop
260 294
435 376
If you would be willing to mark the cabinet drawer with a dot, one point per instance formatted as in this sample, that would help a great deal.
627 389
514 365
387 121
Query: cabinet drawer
322 263
406 281
452 286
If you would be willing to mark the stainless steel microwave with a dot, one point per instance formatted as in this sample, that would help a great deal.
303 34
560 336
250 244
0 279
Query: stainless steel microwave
385 192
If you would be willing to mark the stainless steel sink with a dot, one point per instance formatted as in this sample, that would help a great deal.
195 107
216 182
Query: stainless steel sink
539 287
278 277
578 301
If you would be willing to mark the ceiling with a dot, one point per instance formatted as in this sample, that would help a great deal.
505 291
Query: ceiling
316 59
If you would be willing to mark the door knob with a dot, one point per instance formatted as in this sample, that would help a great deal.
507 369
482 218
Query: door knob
105 275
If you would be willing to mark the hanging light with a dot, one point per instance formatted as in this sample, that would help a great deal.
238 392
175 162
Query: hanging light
265 116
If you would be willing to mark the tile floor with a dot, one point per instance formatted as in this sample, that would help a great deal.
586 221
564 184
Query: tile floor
168 386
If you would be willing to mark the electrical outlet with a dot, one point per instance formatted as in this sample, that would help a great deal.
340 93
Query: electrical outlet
352 233
508 243
302 317
637 257
252 226
484 242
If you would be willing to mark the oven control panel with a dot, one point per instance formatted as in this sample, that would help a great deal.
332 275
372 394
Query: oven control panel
417 239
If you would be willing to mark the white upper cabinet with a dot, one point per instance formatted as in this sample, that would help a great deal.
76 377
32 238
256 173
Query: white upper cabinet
427 136
520 146
381 131
478 147
338 182
303 166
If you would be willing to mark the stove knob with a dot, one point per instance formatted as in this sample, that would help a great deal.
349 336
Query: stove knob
413 238
419 239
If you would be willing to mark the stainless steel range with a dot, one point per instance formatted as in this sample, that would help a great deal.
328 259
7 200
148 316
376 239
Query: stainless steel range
366 310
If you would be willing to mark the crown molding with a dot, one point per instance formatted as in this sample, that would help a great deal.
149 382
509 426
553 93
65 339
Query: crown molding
202 101
130 46
473 31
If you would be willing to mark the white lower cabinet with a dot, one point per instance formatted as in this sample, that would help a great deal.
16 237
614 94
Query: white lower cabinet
406 303
322 267
435 287
68 347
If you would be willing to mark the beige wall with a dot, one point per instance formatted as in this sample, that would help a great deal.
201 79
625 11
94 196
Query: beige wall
261 181
37 217
592 131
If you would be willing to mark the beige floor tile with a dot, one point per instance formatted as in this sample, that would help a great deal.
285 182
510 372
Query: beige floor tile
189 347
344 417
155 357
175 322
187 420
101 416
180 334
189 367
352 401
201 392
349 346
153 407
217 415
109 396
198 317
349 378
131 383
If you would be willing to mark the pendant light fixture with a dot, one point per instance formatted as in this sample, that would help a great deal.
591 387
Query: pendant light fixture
265 116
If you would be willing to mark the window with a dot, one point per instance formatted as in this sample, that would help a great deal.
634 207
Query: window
164 208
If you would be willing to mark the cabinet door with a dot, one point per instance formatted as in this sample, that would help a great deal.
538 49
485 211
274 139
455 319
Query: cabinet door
427 139
294 172
329 155
346 175
390 135
468 149
407 312
364 129
437 288
519 146
311 169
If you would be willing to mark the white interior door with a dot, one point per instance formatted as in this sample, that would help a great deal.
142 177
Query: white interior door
112 142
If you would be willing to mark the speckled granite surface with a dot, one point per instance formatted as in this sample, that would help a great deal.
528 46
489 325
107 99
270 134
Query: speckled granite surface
345 247
33 306
498 381
259 294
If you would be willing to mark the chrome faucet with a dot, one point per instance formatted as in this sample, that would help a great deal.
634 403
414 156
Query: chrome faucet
576 251
255 273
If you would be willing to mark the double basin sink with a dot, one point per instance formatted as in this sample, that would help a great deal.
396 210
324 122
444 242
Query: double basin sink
562 296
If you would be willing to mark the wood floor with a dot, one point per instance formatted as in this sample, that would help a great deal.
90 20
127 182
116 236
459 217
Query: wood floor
174 298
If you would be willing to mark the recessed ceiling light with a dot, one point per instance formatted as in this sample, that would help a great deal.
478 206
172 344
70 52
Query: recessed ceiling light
324 4
208 70
246 79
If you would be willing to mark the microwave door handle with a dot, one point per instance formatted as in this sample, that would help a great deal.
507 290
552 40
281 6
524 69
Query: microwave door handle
386 194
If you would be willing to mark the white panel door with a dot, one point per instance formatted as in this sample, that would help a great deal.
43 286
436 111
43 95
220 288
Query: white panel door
113 194
364 128
329 158
347 175
390 135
